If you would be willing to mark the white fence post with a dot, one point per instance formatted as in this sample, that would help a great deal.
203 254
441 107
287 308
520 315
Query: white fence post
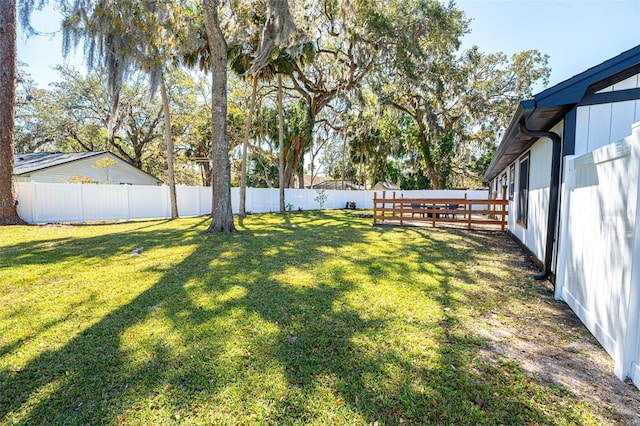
166 201
563 231
80 202
128 196
631 359
34 200
198 201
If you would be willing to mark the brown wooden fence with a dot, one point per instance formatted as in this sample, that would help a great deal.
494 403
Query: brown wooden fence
452 211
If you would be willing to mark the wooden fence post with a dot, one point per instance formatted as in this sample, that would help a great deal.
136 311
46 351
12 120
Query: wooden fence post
375 206
468 208
493 207
384 204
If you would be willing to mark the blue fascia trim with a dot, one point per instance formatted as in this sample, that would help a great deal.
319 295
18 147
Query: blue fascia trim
527 105
572 90
611 97
569 133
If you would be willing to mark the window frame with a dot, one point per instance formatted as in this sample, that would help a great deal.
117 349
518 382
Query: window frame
512 180
522 208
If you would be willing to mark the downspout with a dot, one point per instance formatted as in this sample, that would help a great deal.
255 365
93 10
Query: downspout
554 185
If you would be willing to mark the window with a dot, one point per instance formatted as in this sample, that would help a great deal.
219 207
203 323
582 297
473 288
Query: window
523 191
503 185
512 180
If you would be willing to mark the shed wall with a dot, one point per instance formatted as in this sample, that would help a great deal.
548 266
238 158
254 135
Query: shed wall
119 173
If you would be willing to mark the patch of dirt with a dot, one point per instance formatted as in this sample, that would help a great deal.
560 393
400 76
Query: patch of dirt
548 340
55 225
49 244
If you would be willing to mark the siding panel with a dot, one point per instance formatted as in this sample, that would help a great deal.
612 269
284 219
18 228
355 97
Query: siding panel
599 126
629 83
582 130
119 173
622 115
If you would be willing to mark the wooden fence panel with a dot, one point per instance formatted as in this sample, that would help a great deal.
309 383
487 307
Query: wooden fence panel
452 211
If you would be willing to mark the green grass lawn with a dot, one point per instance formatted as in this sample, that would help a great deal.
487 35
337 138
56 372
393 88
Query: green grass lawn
309 318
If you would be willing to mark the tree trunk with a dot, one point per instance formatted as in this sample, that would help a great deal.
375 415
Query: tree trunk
434 177
245 143
168 140
221 213
344 153
281 183
312 170
8 49
361 169
205 169
301 176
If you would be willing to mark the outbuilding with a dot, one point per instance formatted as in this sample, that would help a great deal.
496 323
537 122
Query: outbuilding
100 167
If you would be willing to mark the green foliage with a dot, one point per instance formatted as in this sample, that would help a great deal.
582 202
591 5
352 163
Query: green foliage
439 152
105 164
78 178
464 98
389 71
321 197
414 180
263 170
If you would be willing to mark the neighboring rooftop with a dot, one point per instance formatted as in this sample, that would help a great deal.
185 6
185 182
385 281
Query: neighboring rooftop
27 163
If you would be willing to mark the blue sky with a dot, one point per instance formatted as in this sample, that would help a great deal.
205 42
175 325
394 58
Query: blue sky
576 34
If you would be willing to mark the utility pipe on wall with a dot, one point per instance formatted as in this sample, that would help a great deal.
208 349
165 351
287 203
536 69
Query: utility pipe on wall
554 184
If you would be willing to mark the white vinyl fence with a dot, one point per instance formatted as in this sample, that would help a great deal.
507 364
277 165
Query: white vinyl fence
598 268
78 203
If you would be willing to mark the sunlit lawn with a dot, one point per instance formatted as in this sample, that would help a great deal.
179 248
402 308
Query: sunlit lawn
310 318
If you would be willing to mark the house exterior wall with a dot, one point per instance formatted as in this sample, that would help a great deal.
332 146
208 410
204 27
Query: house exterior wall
119 173
598 125
534 235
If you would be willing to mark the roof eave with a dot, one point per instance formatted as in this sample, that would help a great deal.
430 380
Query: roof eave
515 143
548 107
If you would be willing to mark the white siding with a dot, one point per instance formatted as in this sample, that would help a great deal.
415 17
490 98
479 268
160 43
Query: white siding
632 82
622 115
119 173
598 125
535 234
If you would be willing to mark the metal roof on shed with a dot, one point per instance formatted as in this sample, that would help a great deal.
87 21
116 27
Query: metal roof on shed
27 163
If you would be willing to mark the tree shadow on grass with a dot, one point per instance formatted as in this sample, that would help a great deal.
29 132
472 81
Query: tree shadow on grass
90 377
284 323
